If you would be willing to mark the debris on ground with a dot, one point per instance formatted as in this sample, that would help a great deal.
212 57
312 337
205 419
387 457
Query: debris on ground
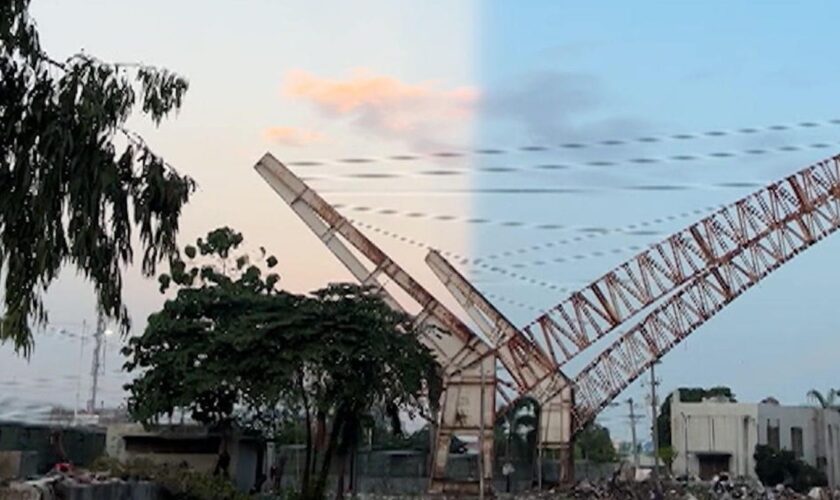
718 489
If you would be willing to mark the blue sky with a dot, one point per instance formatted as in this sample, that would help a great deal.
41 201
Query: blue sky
381 78
621 70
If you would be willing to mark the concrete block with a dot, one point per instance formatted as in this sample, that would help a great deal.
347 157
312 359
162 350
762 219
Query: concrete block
18 464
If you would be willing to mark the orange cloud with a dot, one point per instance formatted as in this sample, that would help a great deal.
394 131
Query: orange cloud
291 136
383 104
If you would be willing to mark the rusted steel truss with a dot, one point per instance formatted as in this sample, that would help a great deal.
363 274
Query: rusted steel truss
614 298
682 282
744 242
468 362
328 225
527 364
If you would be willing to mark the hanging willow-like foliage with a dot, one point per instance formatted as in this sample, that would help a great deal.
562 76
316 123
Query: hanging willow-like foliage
74 182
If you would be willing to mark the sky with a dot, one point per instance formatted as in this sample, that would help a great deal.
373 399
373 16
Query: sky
321 84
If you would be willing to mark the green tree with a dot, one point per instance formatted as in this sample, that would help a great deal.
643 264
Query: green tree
516 431
687 395
781 467
668 454
74 181
206 351
233 348
831 399
368 356
594 443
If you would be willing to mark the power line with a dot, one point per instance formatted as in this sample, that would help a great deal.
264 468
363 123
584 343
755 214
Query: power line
588 233
523 278
632 229
533 191
636 161
628 229
554 287
515 303
577 257
462 259
650 139
393 212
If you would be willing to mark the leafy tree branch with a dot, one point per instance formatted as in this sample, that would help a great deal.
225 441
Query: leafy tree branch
74 181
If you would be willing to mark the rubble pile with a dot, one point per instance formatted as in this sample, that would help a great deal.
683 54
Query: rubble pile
713 490
68 483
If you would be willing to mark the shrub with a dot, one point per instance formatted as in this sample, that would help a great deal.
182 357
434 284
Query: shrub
178 482
782 467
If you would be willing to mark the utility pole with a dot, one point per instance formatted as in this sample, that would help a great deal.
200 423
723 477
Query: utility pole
79 375
633 434
95 367
654 426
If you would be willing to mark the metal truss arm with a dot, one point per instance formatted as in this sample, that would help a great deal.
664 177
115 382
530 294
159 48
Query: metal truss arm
593 312
531 365
763 231
328 224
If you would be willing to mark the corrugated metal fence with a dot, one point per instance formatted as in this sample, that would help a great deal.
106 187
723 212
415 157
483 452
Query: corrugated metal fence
81 445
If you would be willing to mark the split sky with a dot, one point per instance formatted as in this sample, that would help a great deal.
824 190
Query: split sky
376 79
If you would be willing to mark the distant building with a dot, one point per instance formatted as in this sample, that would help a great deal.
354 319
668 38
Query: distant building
66 417
190 445
717 435
53 444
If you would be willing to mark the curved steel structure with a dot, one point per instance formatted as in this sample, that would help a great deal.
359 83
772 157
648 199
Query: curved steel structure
743 242
682 281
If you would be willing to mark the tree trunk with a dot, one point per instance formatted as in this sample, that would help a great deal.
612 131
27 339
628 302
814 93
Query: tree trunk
339 488
321 430
223 457
320 438
320 486
305 483
279 469
353 465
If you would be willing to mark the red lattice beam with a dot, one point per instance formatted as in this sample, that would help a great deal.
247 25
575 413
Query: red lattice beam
593 312
747 241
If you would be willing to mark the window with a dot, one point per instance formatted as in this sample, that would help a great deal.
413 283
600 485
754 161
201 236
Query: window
165 445
773 436
796 442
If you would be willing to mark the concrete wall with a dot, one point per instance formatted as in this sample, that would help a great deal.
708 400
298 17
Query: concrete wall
18 464
735 429
115 445
819 433
711 428
243 452
82 445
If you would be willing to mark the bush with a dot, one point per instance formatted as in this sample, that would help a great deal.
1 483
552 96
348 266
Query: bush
179 483
782 467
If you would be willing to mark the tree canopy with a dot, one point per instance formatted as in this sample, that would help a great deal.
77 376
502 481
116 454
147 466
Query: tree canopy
516 431
74 181
828 400
774 467
203 351
232 347
595 444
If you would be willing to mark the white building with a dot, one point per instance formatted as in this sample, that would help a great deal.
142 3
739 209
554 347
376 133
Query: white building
717 435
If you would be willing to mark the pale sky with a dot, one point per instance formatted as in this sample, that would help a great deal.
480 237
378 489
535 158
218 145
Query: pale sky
332 80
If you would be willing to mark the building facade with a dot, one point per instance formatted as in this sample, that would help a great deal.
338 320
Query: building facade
191 445
720 436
